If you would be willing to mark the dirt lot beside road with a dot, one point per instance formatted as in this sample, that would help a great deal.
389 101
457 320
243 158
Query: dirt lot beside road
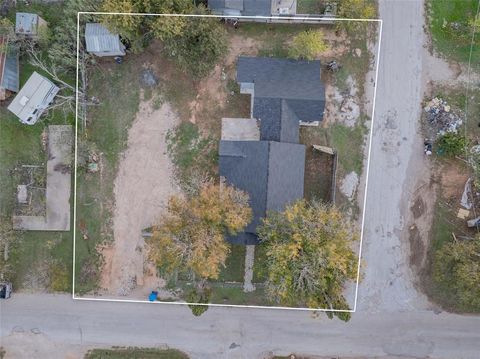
142 187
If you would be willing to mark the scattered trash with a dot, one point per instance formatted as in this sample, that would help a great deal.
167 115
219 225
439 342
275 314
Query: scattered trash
463 213
333 66
148 78
465 201
441 117
92 163
427 147
473 222
230 21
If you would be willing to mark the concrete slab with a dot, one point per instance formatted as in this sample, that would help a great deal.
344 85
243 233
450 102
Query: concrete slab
240 129
59 180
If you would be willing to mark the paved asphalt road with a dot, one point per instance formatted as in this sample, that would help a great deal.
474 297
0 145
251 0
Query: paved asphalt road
242 333
391 317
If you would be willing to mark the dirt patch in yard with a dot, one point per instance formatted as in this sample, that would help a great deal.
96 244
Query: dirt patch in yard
240 45
142 187
318 175
453 178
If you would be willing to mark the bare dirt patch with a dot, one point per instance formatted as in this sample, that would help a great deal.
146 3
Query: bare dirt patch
142 187
240 45
453 178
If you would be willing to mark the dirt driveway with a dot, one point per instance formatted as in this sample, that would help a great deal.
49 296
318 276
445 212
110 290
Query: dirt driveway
142 187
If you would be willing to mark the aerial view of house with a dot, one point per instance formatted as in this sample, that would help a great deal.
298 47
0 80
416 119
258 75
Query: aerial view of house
9 69
101 42
248 179
270 166
33 98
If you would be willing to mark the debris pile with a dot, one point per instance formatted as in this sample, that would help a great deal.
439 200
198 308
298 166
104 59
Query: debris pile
441 117
92 163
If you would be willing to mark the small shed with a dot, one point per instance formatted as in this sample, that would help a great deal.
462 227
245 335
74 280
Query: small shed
101 42
28 24
9 69
33 98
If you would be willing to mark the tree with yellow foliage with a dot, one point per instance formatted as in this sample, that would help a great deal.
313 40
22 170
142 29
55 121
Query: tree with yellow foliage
356 9
309 256
307 45
191 235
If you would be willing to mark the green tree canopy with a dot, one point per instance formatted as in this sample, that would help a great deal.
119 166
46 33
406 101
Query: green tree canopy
457 264
307 45
200 46
309 257
191 235
196 44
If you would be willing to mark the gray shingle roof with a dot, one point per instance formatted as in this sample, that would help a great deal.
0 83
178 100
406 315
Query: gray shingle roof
270 172
285 92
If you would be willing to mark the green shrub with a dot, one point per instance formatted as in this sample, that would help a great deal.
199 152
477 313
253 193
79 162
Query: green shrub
451 144
59 278
195 157
456 268
199 296
307 45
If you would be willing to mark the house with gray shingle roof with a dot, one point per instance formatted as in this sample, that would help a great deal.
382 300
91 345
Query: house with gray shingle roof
270 164
284 93
270 172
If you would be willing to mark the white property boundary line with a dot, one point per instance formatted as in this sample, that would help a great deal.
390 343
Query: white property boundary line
320 20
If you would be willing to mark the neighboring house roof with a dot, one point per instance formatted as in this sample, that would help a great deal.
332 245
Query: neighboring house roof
272 173
33 98
26 23
241 7
285 92
100 40
9 68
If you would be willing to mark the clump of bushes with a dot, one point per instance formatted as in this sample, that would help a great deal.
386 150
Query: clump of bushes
452 144
194 156
456 268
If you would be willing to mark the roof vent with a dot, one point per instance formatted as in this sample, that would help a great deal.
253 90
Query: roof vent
24 100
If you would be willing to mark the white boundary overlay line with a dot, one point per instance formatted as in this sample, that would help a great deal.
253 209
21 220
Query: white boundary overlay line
372 122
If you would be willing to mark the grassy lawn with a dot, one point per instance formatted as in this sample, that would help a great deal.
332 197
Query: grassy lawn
348 141
118 88
444 224
234 270
51 251
442 289
450 29
236 296
135 353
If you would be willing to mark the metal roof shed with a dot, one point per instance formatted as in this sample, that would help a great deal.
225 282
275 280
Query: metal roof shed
33 98
9 69
28 24
101 42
